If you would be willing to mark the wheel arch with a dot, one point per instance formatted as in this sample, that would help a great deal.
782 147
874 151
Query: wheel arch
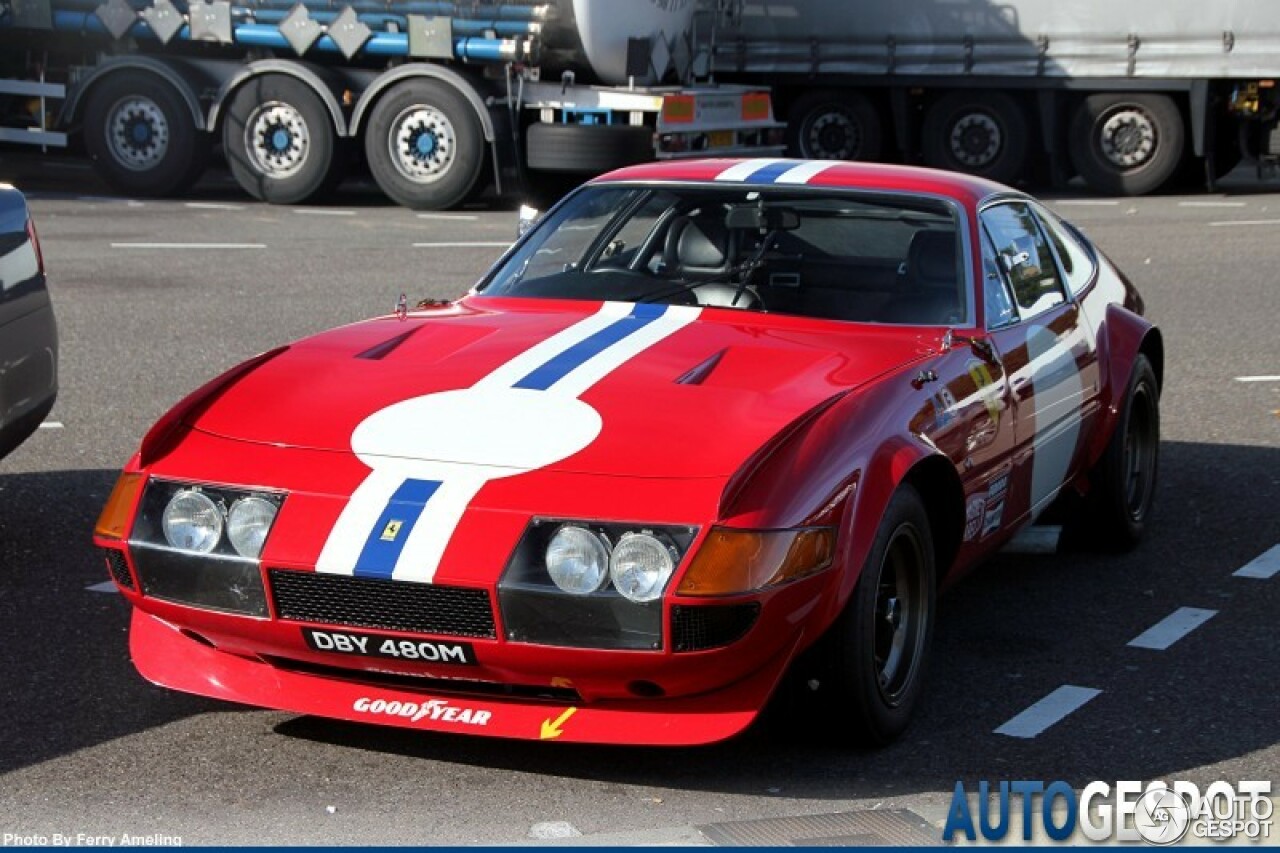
385 81
1123 337
324 89
185 80
935 479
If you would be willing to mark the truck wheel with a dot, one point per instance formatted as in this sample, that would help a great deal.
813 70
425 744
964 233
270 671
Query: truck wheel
1127 144
880 644
982 133
279 141
834 125
1123 482
424 145
586 149
141 136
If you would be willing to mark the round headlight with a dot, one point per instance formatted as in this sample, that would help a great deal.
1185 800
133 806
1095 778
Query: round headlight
248 522
641 565
577 560
192 522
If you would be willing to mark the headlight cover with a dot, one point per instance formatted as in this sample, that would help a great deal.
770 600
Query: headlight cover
199 545
578 559
537 608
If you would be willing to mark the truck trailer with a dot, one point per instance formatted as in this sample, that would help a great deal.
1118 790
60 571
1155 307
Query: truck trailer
440 97
1131 96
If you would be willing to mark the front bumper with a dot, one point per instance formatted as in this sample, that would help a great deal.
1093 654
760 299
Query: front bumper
167 656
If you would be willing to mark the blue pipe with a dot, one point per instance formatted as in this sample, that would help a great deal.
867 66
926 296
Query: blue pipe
461 26
486 15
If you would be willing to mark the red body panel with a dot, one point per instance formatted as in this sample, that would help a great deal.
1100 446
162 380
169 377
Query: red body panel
788 422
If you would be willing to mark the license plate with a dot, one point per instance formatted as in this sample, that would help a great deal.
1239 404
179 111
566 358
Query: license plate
720 139
389 646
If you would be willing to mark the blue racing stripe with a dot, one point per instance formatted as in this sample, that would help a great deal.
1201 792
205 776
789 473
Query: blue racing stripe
382 549
559 366
769 174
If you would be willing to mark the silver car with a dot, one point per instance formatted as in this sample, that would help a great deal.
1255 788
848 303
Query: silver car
28 333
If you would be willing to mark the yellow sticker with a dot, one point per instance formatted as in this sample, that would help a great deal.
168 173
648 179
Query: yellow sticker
391 531
982 378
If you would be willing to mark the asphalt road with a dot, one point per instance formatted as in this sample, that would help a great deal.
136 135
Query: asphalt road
89 747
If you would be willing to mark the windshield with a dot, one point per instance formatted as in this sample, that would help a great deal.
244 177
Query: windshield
835 255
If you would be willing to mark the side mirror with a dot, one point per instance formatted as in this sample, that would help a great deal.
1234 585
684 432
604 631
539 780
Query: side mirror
529 217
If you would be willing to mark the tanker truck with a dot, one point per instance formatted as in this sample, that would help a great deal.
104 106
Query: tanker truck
1131 96
441 98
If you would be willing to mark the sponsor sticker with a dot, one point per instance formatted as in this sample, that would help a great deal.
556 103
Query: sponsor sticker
973 511
389 646
435 710
981 375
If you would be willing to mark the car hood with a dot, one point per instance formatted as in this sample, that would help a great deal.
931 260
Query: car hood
554 385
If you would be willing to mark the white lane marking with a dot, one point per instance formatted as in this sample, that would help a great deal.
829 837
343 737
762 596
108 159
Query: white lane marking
1231 223
746 169
1049 710
212 205
1087 202
1036 539
323 212
1263 567
1212 204
458 217
188 245
1172 628
1275 377
475 244
105 586
51 425
803 173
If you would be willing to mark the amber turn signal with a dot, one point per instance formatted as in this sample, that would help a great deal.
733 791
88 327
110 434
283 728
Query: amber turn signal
735 561
114 521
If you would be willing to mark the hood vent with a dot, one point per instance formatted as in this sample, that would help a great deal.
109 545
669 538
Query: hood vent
697 375
379 351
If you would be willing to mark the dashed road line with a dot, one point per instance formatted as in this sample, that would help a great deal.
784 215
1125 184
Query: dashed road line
1240 223
1212 204
188 245
323 212
212 205
1263 567
454 217
1269 378
1051 709
51 425
477 244
1088 202
105 586
1172 628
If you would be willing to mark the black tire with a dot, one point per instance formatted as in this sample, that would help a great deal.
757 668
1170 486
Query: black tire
586 149
981 133
300 161
1127 144
834 125
872 701
1123 483
445 170
166 156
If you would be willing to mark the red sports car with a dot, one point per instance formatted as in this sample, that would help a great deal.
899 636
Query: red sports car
702 418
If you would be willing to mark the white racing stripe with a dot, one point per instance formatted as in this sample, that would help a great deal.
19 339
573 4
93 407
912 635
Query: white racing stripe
804 173
1172 628
747 168
361 513
1263 567
1051 709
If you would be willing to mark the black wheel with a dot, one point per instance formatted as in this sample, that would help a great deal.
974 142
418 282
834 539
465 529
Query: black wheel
586 149
280 141
834 125
424 145
880 644
1127 144
982 133
142 137
1123 483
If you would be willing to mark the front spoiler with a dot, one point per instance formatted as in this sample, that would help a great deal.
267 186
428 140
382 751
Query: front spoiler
169 658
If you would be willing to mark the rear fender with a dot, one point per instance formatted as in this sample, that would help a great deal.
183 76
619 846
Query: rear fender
1121 337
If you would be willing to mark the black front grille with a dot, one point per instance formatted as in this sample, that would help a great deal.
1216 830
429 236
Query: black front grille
374 603
711 626
118 567
456 686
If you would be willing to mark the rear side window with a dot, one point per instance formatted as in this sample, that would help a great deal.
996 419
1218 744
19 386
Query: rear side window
1023 251
1077 264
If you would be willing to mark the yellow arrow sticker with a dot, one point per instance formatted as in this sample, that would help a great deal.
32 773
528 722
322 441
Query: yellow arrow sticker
551 729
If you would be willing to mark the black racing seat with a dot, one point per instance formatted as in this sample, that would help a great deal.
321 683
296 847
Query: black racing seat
930 294
698 249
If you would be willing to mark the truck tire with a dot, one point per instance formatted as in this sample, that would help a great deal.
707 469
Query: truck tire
141 136
1127 144
981 133
586 149
424 145
834 125
279 141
